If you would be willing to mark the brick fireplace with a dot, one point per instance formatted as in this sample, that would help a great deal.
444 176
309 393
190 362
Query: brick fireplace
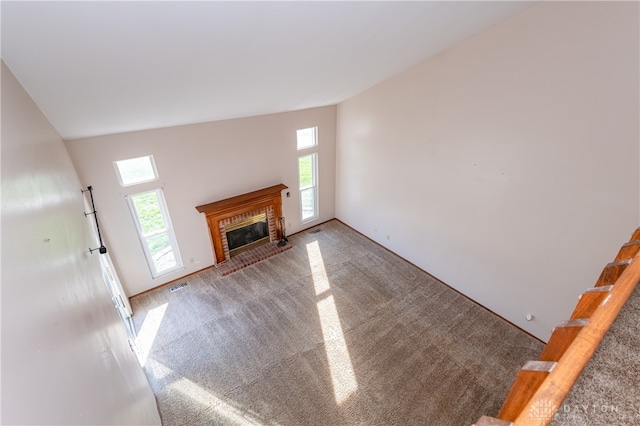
246 210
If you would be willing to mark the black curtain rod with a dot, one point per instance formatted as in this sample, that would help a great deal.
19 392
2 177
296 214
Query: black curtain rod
102 249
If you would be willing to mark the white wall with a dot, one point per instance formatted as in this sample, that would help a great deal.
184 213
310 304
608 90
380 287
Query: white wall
507 166
65 355
199 164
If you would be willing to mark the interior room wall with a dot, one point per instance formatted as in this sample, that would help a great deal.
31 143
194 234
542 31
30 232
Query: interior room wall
65 352
507 166
198 164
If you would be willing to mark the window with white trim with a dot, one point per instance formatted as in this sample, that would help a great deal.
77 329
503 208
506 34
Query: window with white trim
307 173
136 170
151 217
307 138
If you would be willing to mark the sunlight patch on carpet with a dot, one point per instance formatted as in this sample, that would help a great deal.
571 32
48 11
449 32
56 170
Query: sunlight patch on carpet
158 369
231 414
148 332
343 377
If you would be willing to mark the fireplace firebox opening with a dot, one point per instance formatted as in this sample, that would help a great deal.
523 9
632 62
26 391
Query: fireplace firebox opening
247 234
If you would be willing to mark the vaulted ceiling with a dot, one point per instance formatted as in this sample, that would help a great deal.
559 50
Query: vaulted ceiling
99 68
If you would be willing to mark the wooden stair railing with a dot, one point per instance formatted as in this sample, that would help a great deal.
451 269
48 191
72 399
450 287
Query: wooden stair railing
612 272
589 301
628 251
561 338
541 386
527 382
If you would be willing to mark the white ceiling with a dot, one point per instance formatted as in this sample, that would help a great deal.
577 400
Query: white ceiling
98 68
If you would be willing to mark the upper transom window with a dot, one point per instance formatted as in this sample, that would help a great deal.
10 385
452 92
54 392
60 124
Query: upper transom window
307 137
136 170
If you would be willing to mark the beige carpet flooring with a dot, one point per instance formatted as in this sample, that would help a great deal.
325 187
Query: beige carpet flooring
335 331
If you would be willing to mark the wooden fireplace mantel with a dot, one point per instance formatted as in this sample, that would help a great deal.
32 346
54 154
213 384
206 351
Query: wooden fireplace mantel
238 205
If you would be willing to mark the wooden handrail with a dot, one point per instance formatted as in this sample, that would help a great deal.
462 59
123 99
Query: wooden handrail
560 381
539 407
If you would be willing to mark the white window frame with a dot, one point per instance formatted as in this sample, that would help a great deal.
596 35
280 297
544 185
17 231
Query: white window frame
315 138
168 229
313 186
153 166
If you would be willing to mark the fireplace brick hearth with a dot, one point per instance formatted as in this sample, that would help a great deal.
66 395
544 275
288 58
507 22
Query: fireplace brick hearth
229 211
250 257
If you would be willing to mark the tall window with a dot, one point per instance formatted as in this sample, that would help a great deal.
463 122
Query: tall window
308 173
307 169
151 217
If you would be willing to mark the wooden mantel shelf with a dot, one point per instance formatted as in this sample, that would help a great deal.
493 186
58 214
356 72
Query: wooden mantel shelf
220 212
232 203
